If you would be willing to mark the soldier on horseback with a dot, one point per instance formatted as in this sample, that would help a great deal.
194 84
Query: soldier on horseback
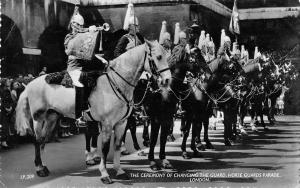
79 57
224 50
128 41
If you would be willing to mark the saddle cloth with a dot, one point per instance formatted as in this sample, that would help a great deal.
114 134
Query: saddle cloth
88 79
60 78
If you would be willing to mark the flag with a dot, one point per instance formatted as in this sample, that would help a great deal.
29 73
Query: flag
234 21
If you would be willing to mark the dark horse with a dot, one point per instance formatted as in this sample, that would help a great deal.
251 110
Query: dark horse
258 86
200 108
161 106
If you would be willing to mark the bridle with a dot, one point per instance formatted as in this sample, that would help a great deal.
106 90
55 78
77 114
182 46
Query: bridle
153 68
120 94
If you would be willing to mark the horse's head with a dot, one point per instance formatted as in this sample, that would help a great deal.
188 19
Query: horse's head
196 61
156 63
232 67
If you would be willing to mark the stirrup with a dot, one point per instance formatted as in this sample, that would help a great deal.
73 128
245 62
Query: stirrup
80 122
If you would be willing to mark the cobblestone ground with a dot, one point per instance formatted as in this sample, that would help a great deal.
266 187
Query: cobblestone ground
261 159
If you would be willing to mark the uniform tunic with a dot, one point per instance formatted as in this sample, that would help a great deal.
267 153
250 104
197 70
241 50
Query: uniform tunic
73 62
127 42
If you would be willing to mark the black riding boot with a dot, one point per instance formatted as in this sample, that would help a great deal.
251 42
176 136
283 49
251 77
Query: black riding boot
79 101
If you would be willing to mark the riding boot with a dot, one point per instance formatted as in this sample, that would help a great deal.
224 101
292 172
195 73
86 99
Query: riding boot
79 102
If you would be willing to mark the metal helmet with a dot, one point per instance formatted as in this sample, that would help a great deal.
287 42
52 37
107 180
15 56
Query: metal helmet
77 18
165 36
182 35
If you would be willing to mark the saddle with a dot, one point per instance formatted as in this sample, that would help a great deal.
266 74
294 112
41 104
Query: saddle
88 79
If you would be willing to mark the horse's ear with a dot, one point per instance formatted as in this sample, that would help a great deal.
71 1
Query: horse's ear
149 44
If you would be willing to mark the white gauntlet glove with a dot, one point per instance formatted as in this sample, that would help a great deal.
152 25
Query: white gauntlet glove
92 28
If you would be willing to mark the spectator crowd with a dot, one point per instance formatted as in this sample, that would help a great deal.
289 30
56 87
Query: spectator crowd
10 90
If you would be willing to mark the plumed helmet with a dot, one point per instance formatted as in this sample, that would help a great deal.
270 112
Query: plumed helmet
128 16
222 37
162 31
227 39
133 20
201 39
77 18
176 33
164 37
182 35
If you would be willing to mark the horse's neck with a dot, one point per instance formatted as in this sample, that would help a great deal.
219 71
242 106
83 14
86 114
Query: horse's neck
179 72
214 65
130 64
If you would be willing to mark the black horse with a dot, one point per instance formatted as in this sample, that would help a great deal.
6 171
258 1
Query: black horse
161 106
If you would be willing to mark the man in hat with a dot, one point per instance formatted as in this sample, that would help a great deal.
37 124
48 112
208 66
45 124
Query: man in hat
130 40
224 50
194 34
166 43
75 63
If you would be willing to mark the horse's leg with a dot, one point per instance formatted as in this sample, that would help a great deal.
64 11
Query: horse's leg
88 137
105 136
252 121
43 124
196 130
196 134
41 170
118 131
165 130
234 112
206 139
146 136
134 139
124 150
94 138
186 131
272 110
243 112
170 136
155 125
226 127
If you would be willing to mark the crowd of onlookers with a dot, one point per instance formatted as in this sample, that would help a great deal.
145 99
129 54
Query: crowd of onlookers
10 90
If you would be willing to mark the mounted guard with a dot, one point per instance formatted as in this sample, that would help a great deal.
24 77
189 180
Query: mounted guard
80 47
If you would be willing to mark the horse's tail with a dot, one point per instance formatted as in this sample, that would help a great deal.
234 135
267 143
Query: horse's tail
23 116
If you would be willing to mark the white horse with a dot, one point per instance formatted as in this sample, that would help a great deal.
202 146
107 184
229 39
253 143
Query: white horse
110 102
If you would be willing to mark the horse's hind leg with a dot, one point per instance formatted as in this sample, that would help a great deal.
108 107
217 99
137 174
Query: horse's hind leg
105 136
185 131
41 170
206 139
118 131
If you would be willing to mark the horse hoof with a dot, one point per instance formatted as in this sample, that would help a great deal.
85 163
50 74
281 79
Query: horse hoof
90 162
97 160
155 167
142 153
173 138
167 166
125 152
185 155
227 143
106 180
201 147
169 139
197 154
209 146
123 176
44 172
146 143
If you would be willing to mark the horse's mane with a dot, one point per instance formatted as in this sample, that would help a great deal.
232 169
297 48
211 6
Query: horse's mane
214 65
128 55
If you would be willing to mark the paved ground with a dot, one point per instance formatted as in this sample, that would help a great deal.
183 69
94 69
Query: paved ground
270 159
